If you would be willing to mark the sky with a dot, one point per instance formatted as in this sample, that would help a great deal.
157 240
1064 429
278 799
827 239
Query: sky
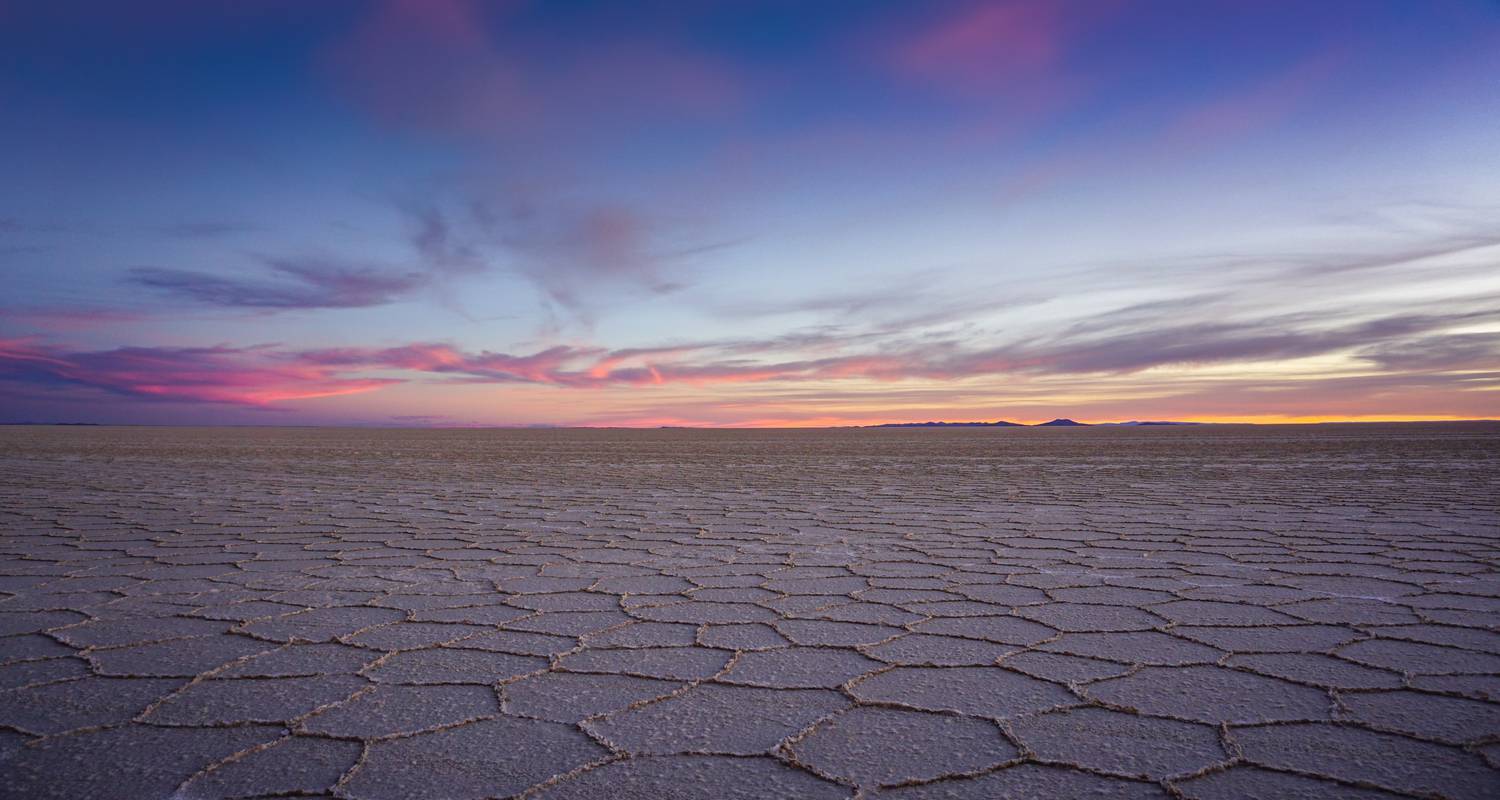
466 213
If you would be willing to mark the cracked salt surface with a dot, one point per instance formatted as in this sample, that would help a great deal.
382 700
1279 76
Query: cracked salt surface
1124 613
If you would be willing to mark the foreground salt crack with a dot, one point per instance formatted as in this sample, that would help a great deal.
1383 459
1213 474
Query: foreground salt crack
1214 612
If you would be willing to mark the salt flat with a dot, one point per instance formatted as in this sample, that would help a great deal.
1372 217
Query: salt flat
1198 612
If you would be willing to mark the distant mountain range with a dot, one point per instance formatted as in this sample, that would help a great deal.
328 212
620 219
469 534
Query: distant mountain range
1056 423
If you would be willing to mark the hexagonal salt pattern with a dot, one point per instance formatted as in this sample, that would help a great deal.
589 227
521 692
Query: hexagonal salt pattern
1129 613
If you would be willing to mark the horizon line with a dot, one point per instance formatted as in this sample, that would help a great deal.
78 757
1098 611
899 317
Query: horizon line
999 424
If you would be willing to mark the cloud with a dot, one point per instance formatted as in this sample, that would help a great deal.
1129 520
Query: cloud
573 252
454 67
69 318
1454 245
562 104
1277 276
1408 346
987 41
545 366
891 307
1198 343
307 285
569 253
1462 351
1109 351
1446 340
1262 104
236 376
987 49
442 248
428 65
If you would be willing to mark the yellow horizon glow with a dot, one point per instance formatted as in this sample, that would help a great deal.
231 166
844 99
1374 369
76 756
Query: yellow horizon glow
845 422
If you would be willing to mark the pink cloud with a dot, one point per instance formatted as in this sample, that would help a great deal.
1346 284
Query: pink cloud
992 37
1259 105
992 45
545 366
1130 341
238 376
430 63
70 318
1255 106
453 67
1116 346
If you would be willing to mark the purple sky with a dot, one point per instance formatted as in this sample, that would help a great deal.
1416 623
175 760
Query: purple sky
760 213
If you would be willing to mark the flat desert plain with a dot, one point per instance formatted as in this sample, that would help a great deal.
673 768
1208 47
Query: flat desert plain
1200 612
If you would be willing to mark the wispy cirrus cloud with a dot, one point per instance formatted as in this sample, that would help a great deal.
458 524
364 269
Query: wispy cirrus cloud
570 254
1124 350
474 71
70 318
443 247
1407 344
1443 339
573 252
302 284
545 366
1190 332
1459 351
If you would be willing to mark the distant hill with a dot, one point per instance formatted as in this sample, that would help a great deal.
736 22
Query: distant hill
1062 423
996 424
